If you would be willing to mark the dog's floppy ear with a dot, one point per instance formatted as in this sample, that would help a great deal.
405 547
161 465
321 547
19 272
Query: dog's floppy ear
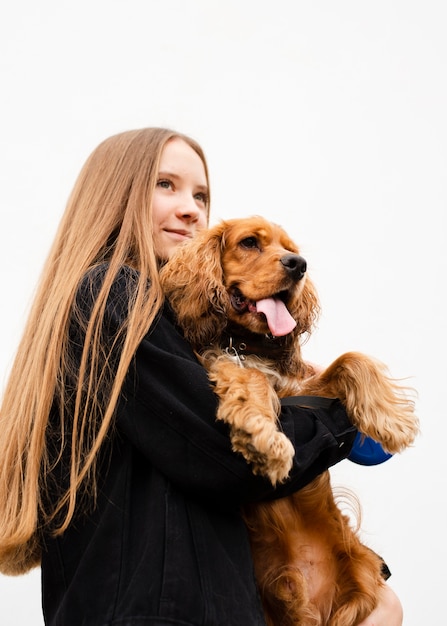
306 309
192 281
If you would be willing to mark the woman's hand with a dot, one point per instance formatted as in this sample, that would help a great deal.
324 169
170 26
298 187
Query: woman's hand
388 612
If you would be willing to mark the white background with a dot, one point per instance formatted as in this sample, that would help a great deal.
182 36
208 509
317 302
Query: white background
328 117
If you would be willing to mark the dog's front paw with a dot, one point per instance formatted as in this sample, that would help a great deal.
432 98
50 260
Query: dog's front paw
269 453
394 427
378 405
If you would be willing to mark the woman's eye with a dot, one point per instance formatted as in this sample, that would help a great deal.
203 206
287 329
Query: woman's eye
164 184
249 243
201 197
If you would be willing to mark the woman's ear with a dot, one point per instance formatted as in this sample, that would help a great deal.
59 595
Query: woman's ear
192 281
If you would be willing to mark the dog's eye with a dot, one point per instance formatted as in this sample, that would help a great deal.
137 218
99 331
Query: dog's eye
249 243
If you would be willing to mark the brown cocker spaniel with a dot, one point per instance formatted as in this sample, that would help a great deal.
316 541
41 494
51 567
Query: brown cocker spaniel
241 293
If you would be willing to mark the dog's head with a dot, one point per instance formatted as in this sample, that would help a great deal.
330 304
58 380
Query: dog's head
244 272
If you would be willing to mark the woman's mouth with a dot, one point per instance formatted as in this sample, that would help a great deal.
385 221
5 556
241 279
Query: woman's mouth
179 234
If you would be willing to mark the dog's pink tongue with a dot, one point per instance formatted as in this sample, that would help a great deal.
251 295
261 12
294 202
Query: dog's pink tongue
279 320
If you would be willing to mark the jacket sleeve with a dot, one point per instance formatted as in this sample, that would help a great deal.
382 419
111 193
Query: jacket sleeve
168 412
168 409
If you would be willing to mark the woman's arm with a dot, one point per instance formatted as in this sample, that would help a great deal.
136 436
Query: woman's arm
168 412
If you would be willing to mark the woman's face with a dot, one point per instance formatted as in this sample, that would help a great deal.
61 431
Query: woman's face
180 201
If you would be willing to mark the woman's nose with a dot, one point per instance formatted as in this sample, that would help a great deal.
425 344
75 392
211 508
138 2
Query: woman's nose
188 209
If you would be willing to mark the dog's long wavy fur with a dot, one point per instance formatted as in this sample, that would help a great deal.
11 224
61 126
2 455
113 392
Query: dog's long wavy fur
311 567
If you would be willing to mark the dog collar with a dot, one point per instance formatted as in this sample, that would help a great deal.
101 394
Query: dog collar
265 346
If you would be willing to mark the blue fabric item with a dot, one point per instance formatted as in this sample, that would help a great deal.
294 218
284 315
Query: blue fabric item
366 451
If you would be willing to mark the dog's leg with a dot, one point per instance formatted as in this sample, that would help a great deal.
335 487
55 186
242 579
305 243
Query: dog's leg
249 404
311 567
376 404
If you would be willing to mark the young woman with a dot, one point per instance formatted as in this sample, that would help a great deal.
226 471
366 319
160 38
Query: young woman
115 475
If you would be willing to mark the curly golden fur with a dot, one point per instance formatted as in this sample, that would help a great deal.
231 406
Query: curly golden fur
310 564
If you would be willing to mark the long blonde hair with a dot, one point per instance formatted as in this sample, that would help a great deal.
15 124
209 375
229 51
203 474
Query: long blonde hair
108 219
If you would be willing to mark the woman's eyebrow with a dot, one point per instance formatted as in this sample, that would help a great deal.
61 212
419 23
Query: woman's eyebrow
168 174
203 188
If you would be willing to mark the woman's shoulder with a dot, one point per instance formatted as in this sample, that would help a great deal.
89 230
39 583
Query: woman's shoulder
126 277
123 286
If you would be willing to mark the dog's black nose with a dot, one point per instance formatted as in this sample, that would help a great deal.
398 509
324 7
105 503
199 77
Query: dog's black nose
295 265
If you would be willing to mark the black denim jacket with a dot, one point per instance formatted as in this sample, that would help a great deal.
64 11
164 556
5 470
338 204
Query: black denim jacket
166 544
